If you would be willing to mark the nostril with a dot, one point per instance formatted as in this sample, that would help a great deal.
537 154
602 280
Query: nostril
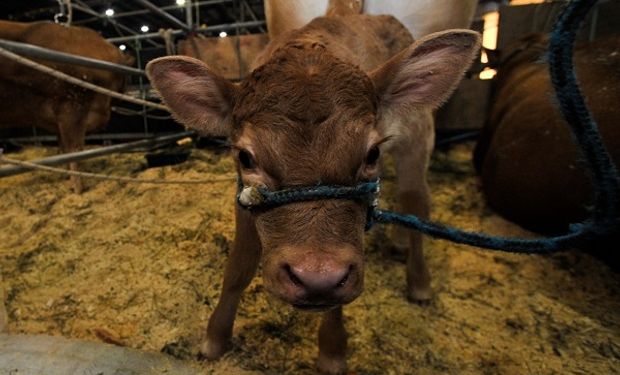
292 275
345 278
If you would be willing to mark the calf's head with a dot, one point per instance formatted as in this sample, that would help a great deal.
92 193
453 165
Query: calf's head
304 118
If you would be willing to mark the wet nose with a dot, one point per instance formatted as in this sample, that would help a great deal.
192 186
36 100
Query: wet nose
323 280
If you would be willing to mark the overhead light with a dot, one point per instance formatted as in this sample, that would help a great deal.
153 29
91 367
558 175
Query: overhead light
109 12
122 47
180 2
223 34
144 28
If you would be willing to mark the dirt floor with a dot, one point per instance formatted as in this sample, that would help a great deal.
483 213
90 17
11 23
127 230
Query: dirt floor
141 266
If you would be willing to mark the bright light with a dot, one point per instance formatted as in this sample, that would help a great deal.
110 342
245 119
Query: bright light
180 2
109 12
223 34
122 47
144 28
489 41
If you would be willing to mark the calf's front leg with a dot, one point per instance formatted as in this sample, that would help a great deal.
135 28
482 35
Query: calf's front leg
332 343
240 270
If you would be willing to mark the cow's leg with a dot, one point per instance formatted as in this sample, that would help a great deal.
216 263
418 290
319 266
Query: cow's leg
3 314
332 343
240 269
412 155
72 132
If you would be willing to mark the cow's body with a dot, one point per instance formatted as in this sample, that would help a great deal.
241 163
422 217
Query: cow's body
528 161
31 98
420 17
317 108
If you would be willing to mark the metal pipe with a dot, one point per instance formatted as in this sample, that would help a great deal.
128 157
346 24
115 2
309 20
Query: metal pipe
88 154
145 11
163 14
86 9
228 26
247 6
189 17
62 57
90 137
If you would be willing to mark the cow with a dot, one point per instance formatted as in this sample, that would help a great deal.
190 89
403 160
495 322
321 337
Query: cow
32 98
321 105
420 17
528 161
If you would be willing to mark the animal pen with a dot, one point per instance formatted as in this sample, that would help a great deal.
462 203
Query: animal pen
123 277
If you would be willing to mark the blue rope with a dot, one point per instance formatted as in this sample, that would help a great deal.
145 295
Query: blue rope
364 192
605 176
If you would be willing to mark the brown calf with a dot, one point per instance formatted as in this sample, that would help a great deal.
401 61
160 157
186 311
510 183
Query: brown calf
31 98
321 104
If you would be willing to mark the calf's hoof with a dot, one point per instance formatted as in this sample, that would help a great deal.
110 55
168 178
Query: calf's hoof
214 349
420 295
331 366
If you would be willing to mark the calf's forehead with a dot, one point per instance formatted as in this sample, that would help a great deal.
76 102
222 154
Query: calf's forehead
306 85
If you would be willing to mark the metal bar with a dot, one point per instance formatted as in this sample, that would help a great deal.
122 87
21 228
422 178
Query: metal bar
88 154
62 57
163 14
91 137
251 12
228 26
189 18
168 7
86 9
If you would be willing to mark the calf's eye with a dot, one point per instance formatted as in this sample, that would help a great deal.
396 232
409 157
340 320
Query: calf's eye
373 155
246 160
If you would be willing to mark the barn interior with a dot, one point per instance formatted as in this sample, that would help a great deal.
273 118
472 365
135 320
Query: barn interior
123 275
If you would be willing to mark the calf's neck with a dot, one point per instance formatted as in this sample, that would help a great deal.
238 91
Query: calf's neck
321 105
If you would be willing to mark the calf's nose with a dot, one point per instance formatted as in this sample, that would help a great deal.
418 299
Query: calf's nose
321 280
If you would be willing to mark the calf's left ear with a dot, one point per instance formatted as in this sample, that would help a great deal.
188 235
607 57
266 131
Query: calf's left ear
425 73
197 97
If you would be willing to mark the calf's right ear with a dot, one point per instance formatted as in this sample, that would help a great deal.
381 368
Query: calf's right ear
197 97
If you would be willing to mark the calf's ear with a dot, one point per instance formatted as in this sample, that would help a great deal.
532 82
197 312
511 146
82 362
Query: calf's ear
197 97
425 73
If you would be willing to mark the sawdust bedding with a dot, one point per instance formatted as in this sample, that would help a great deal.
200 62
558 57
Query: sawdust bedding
141 266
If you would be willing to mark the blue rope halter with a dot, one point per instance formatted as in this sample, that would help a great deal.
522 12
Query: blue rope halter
605 176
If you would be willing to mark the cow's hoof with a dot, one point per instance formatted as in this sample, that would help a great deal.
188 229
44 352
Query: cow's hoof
213 349
421 296
331 366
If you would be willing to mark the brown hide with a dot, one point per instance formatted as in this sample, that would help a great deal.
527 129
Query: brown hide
230 57
31 98
526 156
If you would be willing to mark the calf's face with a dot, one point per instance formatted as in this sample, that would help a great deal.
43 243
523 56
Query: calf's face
307 118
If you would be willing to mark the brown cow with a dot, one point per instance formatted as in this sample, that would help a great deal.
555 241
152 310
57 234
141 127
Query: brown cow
32 98
321 103
526 155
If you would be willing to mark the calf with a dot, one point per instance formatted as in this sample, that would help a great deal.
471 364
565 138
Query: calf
322 104
31 98
526 156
